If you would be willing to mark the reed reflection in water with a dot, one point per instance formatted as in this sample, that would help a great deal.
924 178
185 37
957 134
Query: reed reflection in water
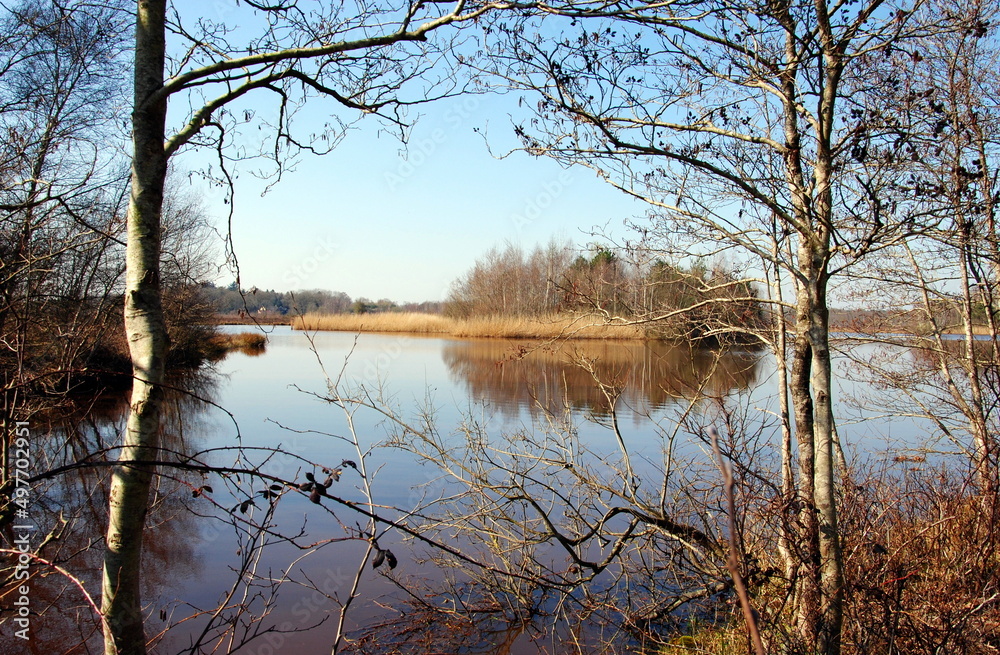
650 375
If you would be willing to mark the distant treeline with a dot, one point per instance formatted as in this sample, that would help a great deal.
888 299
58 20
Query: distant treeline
230 301
696 300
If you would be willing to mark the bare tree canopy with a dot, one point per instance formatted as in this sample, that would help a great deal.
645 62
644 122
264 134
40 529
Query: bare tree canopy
746 128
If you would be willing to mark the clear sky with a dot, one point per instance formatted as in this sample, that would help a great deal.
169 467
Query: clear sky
373 220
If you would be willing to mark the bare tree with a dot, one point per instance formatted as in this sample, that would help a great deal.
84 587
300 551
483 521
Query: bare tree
510 282
58 182
941 285
59 269
735 123
607 538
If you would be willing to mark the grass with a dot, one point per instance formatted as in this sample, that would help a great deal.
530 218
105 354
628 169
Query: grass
575 327
713 642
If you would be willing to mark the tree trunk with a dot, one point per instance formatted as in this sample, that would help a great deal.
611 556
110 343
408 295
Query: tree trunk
779 344
821 601
147 337
808 601
825 479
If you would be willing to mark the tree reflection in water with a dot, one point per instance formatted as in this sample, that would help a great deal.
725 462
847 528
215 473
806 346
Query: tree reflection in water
476 610
651 375
592 544
69 510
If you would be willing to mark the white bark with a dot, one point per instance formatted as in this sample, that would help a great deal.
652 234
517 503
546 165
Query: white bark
148 342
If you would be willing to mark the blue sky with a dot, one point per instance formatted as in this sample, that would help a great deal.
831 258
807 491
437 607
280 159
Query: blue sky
372 219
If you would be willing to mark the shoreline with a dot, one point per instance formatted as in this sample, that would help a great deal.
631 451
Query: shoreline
553 327
580 327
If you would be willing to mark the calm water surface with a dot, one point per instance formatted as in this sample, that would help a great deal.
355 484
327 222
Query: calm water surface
274 400
495 382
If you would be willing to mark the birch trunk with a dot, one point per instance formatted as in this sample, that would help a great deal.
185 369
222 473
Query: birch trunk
147 337
820 602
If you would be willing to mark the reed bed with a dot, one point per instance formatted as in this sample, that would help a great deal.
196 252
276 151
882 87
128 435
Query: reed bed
408 322
251 343
514 327
552 327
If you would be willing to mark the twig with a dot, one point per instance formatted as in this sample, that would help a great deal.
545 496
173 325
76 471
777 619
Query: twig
732 562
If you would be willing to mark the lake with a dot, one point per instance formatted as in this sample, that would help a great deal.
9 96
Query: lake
543 412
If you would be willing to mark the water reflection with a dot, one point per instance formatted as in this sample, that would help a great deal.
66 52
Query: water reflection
188 557
69 512
420 630
650 375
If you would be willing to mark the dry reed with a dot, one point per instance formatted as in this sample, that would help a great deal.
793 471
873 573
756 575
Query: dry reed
515 327
219 344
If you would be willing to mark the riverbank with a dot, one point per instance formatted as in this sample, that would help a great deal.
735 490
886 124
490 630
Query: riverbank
550 327
242 318
221 344
546 327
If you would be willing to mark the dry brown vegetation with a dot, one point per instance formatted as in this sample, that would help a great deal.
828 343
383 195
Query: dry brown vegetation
921 565
250 343
922 571
509 327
